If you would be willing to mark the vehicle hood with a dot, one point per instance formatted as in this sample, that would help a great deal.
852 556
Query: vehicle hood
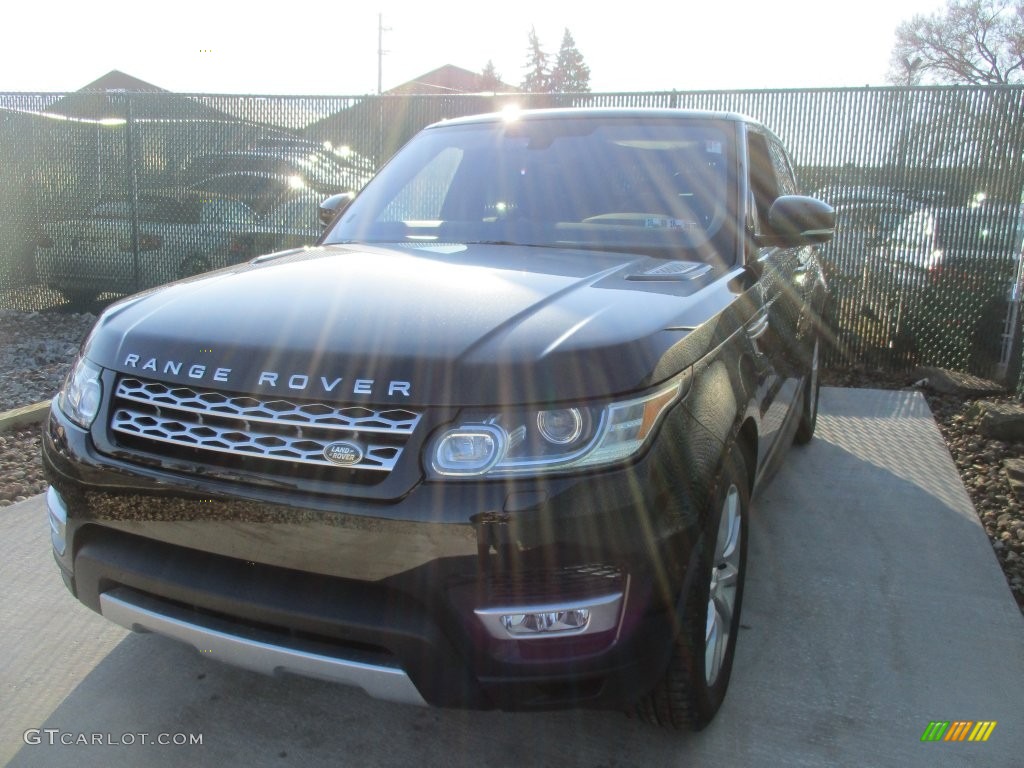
426 325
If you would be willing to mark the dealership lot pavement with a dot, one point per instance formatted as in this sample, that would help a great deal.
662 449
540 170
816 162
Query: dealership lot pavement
874 605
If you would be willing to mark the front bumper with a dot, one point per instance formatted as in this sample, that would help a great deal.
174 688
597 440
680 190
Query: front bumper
407 599
223 640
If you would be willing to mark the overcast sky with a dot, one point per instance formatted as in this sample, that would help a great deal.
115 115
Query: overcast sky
303 47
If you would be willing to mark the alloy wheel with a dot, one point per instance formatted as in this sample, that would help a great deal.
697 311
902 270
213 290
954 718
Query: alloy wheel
813 402
725 573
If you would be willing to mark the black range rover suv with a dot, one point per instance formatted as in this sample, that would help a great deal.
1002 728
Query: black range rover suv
491 443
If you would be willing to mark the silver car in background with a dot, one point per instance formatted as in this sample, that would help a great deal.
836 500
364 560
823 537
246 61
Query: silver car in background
178 234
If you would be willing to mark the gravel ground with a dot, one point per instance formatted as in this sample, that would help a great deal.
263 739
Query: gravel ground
36 351
980 461
37 348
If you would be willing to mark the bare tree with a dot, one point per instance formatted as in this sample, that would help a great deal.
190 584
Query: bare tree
977 42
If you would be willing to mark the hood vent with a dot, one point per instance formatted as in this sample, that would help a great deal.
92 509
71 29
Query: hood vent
673 271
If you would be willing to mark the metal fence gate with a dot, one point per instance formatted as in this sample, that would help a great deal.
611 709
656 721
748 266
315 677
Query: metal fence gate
110 193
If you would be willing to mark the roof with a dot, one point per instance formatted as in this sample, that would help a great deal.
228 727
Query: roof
447 79
116 80
102 98
612 112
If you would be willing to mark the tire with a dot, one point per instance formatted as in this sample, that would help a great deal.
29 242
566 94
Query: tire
695 682
80 301
809 409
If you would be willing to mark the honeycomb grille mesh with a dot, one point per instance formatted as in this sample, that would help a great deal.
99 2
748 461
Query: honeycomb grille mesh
164 416
541 584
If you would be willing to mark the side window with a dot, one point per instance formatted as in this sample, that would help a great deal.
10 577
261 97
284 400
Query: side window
783 169
763 184
771 175
298 213
226 213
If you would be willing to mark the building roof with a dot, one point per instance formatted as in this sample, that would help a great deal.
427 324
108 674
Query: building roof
102 99
448 79
359 125
116 80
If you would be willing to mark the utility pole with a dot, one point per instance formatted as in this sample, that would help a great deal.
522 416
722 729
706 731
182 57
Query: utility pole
381 29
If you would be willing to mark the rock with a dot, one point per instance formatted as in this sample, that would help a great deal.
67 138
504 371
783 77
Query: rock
954 383
1002 421
1014 469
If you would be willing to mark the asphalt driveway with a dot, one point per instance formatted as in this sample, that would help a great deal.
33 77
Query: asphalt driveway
874 605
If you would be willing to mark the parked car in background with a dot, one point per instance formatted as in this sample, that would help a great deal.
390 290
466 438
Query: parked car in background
862 224
257 189
952 255
179 234
342 153
971 245
310 168
286 213
975 247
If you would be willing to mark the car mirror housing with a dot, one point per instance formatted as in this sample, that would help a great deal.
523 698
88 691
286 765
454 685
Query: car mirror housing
334 205
798 220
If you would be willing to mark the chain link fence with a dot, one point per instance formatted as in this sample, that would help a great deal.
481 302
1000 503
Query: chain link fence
105 194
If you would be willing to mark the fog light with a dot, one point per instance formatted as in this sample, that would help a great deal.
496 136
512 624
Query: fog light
584 616
58 514
547 622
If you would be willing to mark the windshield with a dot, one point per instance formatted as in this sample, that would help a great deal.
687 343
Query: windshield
650 185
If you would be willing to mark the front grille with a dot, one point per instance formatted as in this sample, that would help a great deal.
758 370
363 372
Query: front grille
544 585
270 433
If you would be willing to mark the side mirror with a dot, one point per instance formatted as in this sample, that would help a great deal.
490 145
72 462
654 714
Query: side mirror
798 220
333 206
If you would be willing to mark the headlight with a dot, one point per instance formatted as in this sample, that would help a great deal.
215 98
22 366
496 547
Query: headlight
532 441
562 427
80 398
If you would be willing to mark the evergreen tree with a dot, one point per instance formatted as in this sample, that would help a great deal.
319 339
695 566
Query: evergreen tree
489 79
571 74
538 75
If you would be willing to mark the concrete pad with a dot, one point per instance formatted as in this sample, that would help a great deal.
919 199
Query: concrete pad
874 605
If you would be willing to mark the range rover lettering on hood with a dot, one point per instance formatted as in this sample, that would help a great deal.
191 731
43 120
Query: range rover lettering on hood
294 382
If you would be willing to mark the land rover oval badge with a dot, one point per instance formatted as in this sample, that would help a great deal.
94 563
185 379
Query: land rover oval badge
343 453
